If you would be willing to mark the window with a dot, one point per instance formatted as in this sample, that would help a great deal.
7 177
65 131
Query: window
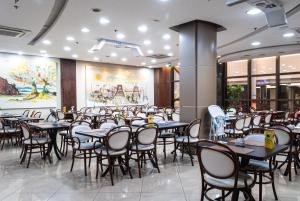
237 68
290 63
262 66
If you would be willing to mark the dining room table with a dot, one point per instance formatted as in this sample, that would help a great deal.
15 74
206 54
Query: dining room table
93 116
52 129
248 151
10 115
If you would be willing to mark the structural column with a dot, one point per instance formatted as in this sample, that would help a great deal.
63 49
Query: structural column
198 75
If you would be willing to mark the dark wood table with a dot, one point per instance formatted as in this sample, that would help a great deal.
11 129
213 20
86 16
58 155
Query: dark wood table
7 115
95 133
26 119
258 153
52 129
94 117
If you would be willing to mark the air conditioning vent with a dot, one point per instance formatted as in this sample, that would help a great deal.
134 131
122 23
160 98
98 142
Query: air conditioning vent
158 56
12 32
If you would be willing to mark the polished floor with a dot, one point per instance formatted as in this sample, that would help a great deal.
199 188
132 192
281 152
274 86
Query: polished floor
53 182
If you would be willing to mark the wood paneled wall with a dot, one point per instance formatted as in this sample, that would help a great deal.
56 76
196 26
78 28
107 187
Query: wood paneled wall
68 83
163 87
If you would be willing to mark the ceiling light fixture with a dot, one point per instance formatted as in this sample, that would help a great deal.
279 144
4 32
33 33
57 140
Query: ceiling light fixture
150 51
167 47
20 53
166 36
120 36
113 54
85 30
46 42
96 58
143 63
256 43
67 48
289 35
70 38
143 28
153 61
91 51
104 20
254 11
149 66
124 59
74 55
43 51
170 54
147 42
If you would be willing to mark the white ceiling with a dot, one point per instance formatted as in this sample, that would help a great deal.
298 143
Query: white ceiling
125 16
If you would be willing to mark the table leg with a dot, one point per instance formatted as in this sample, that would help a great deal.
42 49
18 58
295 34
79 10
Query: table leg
52 135
235 195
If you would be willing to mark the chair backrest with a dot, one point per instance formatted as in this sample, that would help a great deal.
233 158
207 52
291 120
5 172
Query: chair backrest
283 135
51 118
231 110
141 114
256 120
175 116
247 122
217 160
147 135
38 115
117 138
25 113
137 121
60 115
108 125
268 118
158 118
239 124
287 115
215 111
80 126
194 128
25 130
169 110
120 120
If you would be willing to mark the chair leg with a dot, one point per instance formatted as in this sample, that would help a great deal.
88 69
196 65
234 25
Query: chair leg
139 165
30 152
203 191
273 185
84 157
190 153
24 154
156 161
127 165
90 159
175 154
260 186
110 166
97 167
73 159
164 149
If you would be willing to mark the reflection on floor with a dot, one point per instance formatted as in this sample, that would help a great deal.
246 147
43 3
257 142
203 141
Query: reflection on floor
52 182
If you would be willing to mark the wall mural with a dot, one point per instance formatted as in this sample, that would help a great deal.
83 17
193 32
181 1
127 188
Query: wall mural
115 86
27 82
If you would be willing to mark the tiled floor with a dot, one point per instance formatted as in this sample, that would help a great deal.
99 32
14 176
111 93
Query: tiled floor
53 182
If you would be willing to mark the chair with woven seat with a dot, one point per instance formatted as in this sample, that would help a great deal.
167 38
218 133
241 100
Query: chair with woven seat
284 136
115 147
144 143
220 170
256 122
237 131
264 169
8 133
82 144
189 139
32 142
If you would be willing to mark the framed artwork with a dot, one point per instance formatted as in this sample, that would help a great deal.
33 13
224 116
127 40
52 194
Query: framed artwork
116 86
27 82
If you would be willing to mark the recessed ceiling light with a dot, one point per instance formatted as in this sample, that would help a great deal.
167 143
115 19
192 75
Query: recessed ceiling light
47 42
150 51
255 43
167 47
170 54
70 38
149 66
178 64
120 36
113 54
43 51
143 28
164 0
166 36
74 55
96 58
289 35
153 61
20 53
147 42
104 20
254 11
91 51
45 55
67 48
124 59
85 30
143 63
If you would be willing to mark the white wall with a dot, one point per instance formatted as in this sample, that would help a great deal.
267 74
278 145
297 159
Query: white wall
80 80
45 111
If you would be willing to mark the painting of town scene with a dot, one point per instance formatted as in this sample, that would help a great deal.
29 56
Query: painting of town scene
113 86
27 82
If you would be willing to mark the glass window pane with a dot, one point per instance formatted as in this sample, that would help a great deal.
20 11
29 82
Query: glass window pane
237 68
286 105
263 66
263 105
263 87
289 86
237 88
290 63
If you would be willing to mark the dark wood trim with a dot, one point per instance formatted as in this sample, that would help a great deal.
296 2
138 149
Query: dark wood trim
68 83
163 87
